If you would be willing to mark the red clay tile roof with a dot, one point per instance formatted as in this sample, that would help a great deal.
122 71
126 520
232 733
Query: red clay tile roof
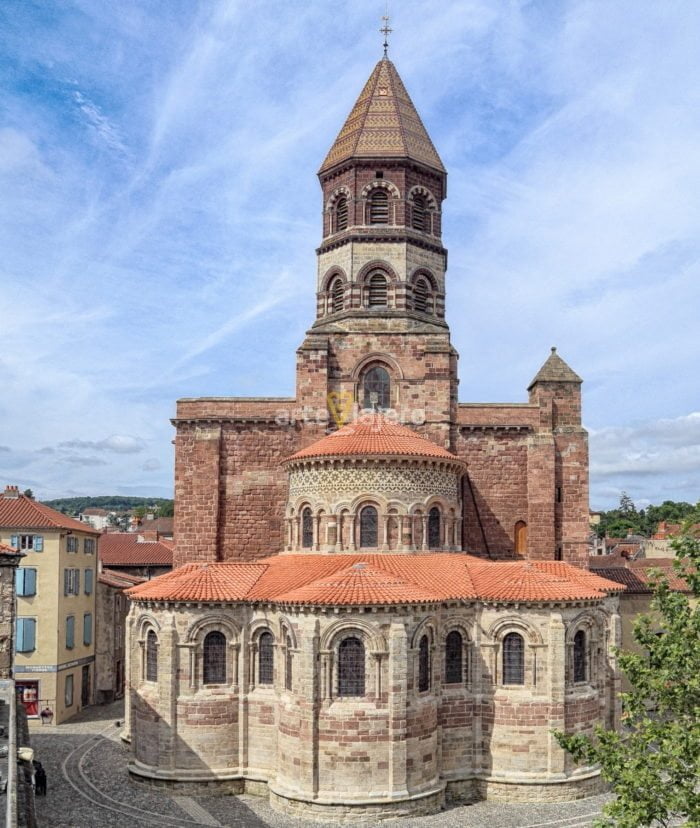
357 579
120 580
125 549
22 512
373 435
636 575
164 525
8 550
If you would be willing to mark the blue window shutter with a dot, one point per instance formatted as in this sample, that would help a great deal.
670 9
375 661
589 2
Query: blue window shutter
14 542
19 635
70 632
77 582
87 628
19 581
30 634
66 579
38 543
88 581
30 581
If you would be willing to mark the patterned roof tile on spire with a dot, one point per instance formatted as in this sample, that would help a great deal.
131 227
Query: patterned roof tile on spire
384 122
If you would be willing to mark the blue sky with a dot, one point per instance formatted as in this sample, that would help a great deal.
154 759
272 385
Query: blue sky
160 211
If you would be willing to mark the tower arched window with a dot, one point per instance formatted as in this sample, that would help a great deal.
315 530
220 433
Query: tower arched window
513 659
351 667
376 388
266 658
454 668
423 664
421 293
580 656
214 658
151 656
307 528
420 214
520 533
369 526
377 291
379 207
337 295
434 528
341 214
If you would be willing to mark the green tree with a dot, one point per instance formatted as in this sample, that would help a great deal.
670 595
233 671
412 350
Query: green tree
29 493
653 763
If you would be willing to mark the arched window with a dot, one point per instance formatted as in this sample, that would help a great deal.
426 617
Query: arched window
214 658
423 664
421 291
377 291
377 389
337 295
307 528
288 665
419 213
351 667
369 525
379 207
434 528
580 666
513 659
151 656
520 534
454 672
266 658
341 214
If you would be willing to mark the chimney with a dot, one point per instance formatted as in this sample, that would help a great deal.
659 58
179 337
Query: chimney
11 492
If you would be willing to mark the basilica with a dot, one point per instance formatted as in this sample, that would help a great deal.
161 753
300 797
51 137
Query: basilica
380 599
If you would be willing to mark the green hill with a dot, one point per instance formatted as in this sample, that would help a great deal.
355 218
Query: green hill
118 503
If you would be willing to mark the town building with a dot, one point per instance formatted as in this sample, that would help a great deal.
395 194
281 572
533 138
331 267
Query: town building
144 554
381 598
54 636
96 517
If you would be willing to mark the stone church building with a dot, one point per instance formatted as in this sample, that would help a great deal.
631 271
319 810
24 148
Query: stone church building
388 605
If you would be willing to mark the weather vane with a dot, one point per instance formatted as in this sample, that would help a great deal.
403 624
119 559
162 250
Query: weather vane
385 30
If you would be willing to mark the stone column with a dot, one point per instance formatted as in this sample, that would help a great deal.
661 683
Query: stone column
556 756
167 692
352 546
385 530
245 677
317 532
133 646
424 545
338 546
398 698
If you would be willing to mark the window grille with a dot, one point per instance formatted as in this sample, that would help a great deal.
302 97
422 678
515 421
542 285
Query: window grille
341 214
377 389
419 213
377 294
379 207
337 296
454 672
420 295
513 659
423 665
351 667
580 656
214 658
151 656
369 524
434 528
307 528
266 658
288 665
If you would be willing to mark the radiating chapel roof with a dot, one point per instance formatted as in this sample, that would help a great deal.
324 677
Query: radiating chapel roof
379 579
373 435
383 123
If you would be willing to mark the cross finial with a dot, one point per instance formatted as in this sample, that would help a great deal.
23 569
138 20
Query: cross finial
385 30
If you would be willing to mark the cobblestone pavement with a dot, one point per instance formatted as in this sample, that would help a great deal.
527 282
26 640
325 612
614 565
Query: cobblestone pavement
88 786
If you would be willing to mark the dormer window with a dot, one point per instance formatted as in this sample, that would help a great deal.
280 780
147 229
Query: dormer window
341 214
377 291
379 207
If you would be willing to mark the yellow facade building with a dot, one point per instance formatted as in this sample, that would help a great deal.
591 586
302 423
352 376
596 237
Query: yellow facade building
56 587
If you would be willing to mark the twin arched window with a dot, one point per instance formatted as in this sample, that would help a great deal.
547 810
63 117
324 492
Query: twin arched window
376 386
424 664
266 658
307 528
369 527
513 659
151 656
351 667
580 659
214 658
379 207
341 214
454 667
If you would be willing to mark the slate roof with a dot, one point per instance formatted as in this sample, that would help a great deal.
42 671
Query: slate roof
383 123
21 512
555 370
376 436
125 549
375 579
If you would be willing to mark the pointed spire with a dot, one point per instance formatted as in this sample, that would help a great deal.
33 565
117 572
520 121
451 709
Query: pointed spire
555 370
383 123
